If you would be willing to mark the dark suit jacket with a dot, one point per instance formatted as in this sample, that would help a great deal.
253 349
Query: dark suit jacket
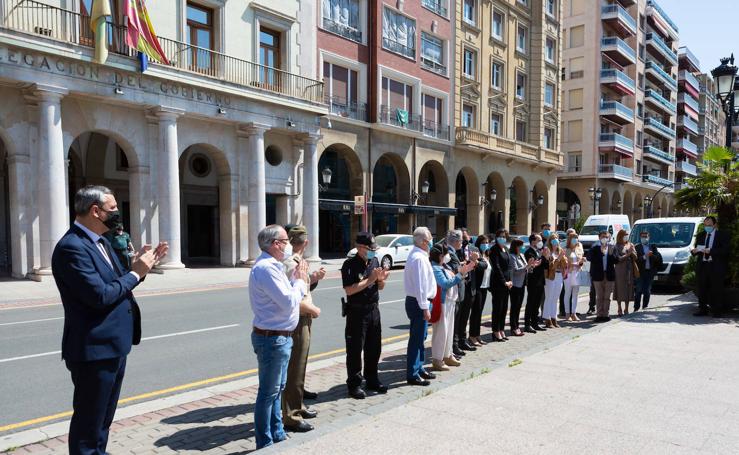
719 253
101 317
454 264
654 262
595 256
472 280
479 272
537 276
501 272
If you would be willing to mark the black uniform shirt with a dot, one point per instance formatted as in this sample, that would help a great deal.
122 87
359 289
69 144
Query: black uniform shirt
355 270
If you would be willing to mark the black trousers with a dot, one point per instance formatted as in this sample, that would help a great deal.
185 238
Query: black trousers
533 300
97 386
516 302
500 308
591 303
562 302
478 306
461 317
363 334
711 289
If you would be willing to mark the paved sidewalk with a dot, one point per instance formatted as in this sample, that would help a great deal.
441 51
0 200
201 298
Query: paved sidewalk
22 293
220 420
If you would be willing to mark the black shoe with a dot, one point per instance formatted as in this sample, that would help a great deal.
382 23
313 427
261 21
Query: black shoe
379 388
646 305
538 328
357 393
309 395
457 357
458 352
308 413
602 319
701 313
302 427
636 308
590 312
465 346
529 330
427 375
418 381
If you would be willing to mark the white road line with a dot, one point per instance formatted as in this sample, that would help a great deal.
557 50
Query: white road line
32 321
392 301
45 354
319 288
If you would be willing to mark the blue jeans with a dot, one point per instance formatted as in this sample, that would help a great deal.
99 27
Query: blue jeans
273 355
644 287
416 355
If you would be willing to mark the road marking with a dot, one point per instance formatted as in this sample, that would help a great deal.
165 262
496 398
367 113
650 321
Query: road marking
31 322
392 301
156 337
342 287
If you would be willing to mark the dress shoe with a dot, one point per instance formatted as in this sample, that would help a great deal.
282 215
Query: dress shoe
452 362
602 319
308 413
590 312
538 328
309 395
701 313
357 393
301 427
517 333
457 357
439 365
466 346
418 381
378 388
458 352
473 342
529 330
426 375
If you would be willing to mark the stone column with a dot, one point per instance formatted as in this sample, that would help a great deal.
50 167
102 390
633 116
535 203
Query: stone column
310 195
52 174
257 187
228 199
19 171
168 187
138 181
242 222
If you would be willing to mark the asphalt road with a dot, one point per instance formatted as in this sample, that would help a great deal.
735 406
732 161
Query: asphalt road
188 337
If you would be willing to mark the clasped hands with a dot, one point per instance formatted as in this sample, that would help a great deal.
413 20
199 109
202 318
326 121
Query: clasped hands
146 258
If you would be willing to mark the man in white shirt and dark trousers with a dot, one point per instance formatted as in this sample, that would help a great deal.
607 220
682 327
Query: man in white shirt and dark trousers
420 287
275 301
712 251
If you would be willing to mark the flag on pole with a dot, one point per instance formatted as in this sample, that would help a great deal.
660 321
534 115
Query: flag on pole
99 24
141 35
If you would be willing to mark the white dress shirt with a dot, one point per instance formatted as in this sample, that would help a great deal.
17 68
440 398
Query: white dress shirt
418 278
275 300
709 245
101 247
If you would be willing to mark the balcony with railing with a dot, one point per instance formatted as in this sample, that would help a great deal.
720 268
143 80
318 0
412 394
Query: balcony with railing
687 168
491 143
688 124
618 80
433 65
687 147
398 48
435 129
656 126
616 112
437 6
344 30
339 106
619 19
658 75
618 50
659 18
617 143
656 43
655 154
657 180
690 60
688 101
662 104
58 24
400 118
686 78
616 172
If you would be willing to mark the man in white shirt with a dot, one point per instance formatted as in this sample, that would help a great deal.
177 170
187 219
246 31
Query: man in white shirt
420 287
275 301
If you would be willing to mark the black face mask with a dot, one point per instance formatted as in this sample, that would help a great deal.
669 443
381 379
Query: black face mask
113 219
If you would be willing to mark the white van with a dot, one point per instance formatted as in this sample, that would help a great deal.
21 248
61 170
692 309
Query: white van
595 224
674 238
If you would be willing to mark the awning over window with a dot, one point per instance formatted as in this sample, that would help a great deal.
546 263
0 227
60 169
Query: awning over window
385 207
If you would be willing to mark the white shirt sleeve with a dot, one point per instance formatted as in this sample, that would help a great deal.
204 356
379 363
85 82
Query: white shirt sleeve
279 289
426 287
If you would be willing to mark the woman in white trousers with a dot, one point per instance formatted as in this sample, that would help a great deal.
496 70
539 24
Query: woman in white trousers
555 279
575 260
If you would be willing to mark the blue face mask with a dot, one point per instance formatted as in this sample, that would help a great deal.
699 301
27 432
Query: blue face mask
546 233
484 247
370 255
555 242
573 242
708 229
644 240
500 240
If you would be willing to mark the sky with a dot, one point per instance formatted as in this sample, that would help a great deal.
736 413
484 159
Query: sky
707 27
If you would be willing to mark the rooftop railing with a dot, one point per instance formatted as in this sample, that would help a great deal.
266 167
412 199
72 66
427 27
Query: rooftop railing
662 13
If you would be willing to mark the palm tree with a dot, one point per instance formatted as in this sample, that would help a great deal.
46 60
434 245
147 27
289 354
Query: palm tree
716 188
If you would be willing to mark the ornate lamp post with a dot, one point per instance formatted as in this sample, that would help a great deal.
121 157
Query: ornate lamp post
727 92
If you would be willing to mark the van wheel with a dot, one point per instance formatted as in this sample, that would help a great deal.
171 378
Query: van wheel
387 262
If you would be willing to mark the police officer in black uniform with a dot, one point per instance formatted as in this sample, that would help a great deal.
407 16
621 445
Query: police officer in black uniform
362 279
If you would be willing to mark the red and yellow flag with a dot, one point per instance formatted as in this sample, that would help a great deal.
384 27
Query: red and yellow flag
141 35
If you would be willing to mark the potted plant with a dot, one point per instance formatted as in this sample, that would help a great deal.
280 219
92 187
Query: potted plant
716 190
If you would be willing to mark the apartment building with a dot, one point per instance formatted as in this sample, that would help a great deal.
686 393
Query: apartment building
507 113
202 151
688 98
619 113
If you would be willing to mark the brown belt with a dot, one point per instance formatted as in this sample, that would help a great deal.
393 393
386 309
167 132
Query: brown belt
272 333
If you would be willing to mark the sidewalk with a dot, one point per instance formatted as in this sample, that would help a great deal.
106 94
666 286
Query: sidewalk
23 293
572 368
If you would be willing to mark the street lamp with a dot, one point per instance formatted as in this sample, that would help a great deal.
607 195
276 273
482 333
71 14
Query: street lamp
648 205
595 195
727 92
485 201
326 178
424 191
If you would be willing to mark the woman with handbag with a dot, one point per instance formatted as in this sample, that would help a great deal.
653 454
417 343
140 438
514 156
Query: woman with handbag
442 319
575 260
555 278
625 271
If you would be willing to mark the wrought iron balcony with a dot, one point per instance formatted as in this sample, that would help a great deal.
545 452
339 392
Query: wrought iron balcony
348 109
340 29
398 48
437 6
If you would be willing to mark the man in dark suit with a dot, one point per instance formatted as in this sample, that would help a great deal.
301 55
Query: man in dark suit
465 254
603 274
101 317
649 260
536 283
712 248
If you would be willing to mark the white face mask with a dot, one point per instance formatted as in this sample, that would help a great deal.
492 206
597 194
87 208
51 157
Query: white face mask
539 244
447 258
287 252
604 241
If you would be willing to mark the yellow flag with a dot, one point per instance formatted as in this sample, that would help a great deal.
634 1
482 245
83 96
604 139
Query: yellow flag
98 22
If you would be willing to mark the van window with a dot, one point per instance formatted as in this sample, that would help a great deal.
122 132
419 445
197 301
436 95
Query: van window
665 235
593 229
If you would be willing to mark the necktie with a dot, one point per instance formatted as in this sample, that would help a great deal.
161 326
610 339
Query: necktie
105 252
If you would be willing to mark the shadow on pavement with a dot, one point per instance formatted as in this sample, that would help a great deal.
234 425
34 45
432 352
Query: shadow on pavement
206 437
207 415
